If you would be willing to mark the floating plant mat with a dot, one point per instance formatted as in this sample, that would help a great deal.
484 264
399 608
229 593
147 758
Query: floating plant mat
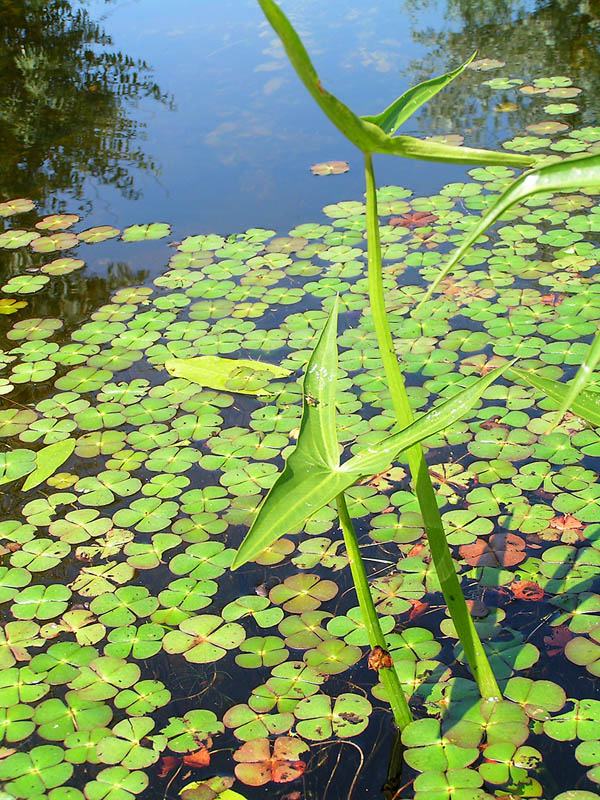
132 662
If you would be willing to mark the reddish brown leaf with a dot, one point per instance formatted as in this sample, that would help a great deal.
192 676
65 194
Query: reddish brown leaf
167 764
527 590
379 659
490 424
500 550
417 609
416 549
200 758
552 299
416 219
286 771
385 480
256 766
556 642
477 608
566 523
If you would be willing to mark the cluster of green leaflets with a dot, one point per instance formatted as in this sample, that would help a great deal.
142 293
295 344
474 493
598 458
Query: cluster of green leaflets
137 473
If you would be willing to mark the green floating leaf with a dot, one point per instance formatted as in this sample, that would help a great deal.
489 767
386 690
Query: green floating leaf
318 720
17 206
242 376
138 233
16 463
48 460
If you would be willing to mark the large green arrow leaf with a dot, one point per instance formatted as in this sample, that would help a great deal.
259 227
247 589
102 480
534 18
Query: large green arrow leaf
313 476
406 105
366 135
574 173
586 405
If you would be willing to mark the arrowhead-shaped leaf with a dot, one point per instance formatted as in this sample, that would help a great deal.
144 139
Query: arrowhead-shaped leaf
368 137
313 476
567 175
405 106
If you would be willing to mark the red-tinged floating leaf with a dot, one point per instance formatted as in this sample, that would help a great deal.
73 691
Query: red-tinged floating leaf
416 549
566 523
199 758
379 659
295 795
501 550
330 168
166 765
527 590
417 609
552 299
557 641
286 771
256 766
57 222
17 206
416 219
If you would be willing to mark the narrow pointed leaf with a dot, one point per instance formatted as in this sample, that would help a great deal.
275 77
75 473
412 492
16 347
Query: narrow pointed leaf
306 486
580 381
365 135
405 106
48 460
410 147
565 176
316 453
585 405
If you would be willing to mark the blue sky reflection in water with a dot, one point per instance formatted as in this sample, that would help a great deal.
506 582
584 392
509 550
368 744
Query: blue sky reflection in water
234 148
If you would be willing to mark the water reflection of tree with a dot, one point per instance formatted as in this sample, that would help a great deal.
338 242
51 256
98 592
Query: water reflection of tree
71 297
553 37
64 99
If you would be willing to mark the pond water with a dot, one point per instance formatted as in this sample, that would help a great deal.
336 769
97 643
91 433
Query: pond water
182 141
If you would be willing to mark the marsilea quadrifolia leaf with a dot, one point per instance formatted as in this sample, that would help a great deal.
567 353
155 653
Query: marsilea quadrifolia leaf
313 475
364 132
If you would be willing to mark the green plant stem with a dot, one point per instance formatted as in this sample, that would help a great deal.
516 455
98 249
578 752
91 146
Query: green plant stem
440 552
389 678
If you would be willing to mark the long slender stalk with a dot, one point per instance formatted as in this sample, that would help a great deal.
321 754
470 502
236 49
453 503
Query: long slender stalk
442 560
388 677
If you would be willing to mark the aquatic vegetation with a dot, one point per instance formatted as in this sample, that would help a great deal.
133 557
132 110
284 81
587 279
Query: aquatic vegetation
132 656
